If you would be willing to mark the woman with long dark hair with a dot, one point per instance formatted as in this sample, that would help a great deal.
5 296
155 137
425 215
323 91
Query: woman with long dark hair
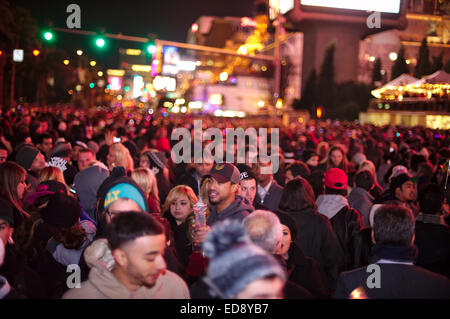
13 187
315 233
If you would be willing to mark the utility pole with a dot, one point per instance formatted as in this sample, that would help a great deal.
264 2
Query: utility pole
277 58
13 81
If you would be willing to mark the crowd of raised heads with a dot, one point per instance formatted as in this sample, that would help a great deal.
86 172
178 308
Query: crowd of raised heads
97 205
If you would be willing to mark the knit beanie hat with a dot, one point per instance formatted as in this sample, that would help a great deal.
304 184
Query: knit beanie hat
62 211
117 186
235 261
26 155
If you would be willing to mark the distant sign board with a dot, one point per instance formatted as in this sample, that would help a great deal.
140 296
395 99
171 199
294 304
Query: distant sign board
387 6
18 55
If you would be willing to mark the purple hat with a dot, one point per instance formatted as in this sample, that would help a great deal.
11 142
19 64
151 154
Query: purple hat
46 188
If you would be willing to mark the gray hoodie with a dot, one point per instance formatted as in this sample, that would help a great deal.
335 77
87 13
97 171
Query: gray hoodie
330 205
238 210
87 183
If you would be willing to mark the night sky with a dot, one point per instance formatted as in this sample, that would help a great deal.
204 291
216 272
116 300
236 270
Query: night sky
168 19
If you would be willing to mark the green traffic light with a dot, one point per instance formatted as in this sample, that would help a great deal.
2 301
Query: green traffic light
100 42
151 48
91 85
48 36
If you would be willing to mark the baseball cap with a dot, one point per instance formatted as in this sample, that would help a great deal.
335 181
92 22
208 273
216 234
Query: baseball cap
397 170
399 180
46 188
335 178
225 172
245 172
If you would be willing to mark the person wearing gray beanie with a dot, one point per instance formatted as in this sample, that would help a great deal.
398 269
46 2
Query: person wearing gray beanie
239 269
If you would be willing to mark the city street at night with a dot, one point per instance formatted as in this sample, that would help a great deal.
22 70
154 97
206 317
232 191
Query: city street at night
195 151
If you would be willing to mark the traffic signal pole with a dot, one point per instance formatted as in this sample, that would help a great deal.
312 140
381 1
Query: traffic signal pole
168 43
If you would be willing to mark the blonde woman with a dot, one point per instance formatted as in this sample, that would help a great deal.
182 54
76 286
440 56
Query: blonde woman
157 162
51 173
146 179
178 209
119 156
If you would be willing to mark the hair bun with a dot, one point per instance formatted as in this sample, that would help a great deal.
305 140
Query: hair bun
224 236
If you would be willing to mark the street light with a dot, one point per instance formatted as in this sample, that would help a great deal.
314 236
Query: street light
79 52
36 52
66 62
93 63
393 56
100 73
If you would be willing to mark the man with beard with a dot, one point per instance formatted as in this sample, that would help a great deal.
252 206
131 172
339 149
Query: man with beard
223 199
137 242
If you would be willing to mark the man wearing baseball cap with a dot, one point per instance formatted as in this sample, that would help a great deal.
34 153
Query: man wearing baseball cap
401 188
223 198
346 221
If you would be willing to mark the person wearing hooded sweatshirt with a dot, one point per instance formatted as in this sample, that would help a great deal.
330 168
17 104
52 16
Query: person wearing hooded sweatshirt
87 183
137 243
117 194
346 221
225 203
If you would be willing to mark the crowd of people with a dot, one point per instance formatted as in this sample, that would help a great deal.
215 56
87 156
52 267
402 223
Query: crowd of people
101 193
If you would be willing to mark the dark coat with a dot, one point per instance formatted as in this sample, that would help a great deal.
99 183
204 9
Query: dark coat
21 277
318 240
303 271
397 281
182 243
433 243
347 223
272 198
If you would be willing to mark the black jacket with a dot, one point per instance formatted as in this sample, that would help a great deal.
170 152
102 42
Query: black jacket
346 222
182 243
433 243
304 271
397 281
318 240
272 198
21 277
